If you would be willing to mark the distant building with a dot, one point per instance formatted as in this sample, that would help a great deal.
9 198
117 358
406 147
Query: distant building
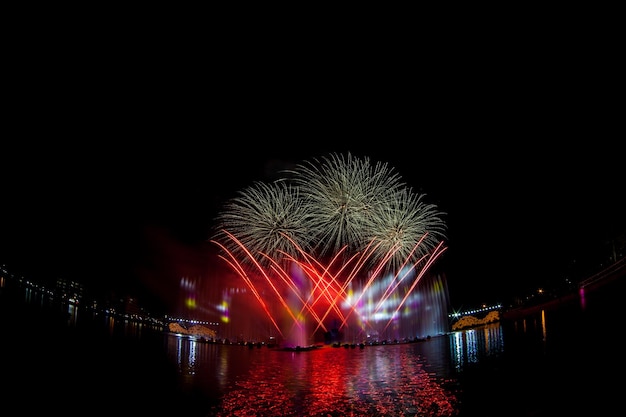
67 290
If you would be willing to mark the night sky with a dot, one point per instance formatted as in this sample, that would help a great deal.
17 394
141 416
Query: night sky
517 215
112 171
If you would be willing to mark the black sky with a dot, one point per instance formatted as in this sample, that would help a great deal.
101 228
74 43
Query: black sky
517 214
109 165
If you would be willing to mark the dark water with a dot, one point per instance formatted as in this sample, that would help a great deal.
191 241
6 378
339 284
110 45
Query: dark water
375 380
555 361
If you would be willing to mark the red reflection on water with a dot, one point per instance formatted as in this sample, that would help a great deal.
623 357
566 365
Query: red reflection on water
381 381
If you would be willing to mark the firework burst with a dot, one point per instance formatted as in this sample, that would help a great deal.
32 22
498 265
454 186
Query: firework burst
266 219
344 194
406 227
343 223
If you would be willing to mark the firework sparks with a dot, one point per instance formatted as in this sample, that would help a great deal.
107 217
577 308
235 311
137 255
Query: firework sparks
344 194
339 208
265 218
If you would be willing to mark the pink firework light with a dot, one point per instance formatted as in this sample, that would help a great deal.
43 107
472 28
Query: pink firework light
393 285
280 272
438 251
341 295
327 288
241 271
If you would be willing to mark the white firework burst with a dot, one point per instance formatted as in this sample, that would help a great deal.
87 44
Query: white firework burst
330 205
344 194
406 227
267 219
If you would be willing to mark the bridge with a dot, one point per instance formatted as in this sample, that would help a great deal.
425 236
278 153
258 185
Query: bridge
614 271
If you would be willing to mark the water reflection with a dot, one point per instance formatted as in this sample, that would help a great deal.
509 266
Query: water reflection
398 379
377 380
470 346
205 367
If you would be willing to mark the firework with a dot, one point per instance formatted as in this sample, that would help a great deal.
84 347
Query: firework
344 224
407 227
344 194
266 219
